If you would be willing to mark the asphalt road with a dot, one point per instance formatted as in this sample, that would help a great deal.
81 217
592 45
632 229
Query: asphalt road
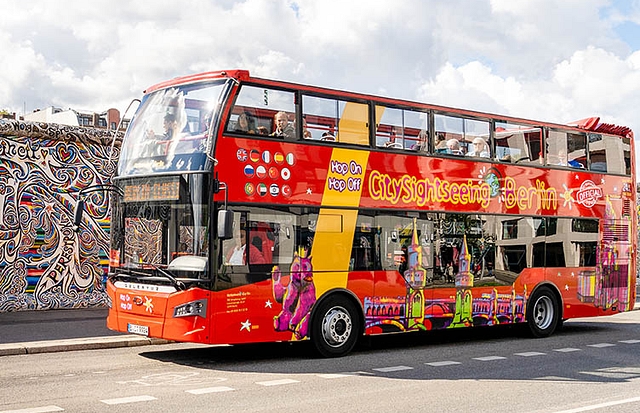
590 363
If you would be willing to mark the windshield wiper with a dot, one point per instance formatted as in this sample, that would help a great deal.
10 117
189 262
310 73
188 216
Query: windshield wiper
176 283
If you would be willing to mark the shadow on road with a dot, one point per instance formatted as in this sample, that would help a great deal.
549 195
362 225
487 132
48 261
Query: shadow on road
417 349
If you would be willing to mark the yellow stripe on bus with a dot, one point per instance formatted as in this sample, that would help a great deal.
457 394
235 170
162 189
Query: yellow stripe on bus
333 240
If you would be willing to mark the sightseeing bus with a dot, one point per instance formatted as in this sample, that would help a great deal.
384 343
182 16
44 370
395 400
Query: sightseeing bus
249 210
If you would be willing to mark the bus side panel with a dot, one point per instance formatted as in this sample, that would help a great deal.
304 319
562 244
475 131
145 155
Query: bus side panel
247 315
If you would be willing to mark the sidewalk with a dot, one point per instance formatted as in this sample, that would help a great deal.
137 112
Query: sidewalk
30 332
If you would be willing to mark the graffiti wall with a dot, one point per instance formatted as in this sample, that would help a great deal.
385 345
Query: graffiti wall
44 263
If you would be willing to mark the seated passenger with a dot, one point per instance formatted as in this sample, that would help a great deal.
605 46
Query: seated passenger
480 148
441 143
421 145
284 129
245 124
238 254
453 147
328 137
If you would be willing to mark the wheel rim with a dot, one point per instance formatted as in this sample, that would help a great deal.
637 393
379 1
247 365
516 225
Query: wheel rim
336 326
543 312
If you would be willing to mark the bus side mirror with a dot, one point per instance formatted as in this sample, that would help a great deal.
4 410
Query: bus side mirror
77 215
225 224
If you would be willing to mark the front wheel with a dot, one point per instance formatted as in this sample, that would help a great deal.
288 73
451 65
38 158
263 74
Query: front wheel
543 313
335 327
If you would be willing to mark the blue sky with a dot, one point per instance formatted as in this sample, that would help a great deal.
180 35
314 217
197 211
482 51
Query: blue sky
548 60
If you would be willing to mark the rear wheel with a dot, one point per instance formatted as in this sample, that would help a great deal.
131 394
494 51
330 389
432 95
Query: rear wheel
543 312
336 327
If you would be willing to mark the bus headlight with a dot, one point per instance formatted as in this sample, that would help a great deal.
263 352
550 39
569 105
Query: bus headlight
192 308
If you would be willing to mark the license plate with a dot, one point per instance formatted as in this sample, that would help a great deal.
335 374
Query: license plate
137 329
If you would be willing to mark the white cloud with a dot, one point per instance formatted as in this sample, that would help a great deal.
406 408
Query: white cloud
540 59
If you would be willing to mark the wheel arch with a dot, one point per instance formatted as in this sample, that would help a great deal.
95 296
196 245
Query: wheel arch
340 292
556 292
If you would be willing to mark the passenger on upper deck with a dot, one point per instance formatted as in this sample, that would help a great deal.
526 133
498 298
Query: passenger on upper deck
453 147
421 145
245 124
283 127
480 148
441 143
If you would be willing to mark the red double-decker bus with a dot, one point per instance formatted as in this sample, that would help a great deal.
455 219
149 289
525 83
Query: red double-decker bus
252 210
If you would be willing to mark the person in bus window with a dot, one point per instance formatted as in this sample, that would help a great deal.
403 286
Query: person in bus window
305 132
480 148
421 145
328 137
245 124
453 147
238 254
283 127
441 143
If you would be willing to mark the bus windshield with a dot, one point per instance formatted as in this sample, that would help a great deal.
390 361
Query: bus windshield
171 130
162 224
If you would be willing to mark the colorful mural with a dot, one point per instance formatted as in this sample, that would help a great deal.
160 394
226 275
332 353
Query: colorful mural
44 264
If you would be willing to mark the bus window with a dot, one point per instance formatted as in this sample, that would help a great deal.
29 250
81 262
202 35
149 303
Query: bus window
401 129
461 129
566 149
333 120
518 143
365 254
609 154
255 110
389 130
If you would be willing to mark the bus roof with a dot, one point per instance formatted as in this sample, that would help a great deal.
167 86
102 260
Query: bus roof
591 124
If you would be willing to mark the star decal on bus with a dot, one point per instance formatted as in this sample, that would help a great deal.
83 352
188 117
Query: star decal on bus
567 196
246 325
566 287
308 191
148 305
268 303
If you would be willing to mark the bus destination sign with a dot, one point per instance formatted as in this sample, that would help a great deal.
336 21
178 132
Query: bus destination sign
166 189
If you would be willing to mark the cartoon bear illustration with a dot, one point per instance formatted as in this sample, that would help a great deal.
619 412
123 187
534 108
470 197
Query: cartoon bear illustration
297 297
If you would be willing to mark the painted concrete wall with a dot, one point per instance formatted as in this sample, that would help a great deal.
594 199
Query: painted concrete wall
44 264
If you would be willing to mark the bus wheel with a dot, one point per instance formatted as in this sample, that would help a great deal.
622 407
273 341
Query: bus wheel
543 313
336 327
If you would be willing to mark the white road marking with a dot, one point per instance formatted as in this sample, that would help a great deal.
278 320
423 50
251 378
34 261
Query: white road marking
600 405
442 363
531 354
490 358
567 349
43 409
393 368
601 345
217 389
277 382
334 375
629 341
132 399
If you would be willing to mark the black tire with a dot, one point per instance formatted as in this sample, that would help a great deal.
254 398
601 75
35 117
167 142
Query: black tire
543 312
335 327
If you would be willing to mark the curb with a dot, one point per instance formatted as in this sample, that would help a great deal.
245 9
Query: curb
91 343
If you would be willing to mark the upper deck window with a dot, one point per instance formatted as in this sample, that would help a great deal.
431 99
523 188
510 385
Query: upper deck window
335 120
566 149
171 130
610 154
456 136
401 129
520 144
256 109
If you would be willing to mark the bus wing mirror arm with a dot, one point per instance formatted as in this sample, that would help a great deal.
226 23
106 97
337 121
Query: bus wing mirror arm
225 216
